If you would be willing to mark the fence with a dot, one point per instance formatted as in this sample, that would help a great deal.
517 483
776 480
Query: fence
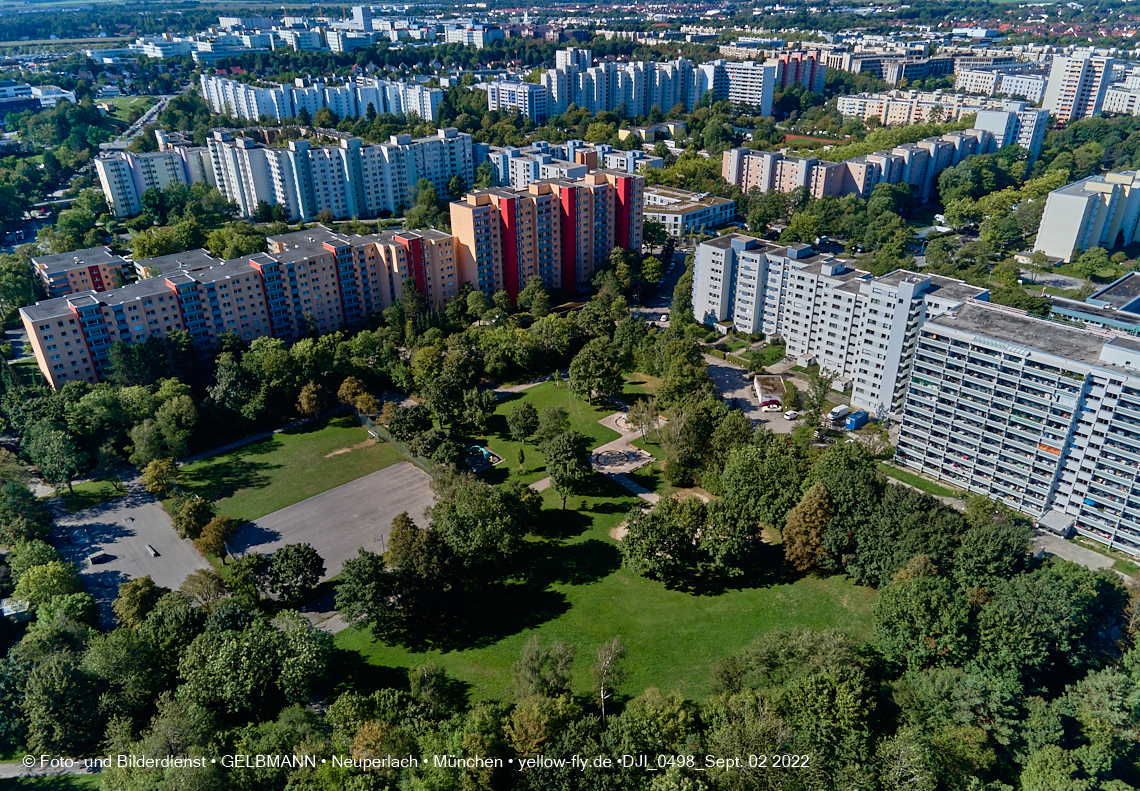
380 431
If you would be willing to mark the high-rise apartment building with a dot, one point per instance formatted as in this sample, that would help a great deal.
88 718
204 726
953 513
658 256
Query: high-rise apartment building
1077 86
1039 415
857 326
751 83
350 180
802 67
1098 211
558 229
125 176
351 100
639 86
1016 123
527 99
917 164
311 278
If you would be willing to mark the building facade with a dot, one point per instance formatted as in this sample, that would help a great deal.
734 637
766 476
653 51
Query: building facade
557 229
124 176
351 100
1098 211
1035 414
1077 86
94 269
917 164
350 180
859 327
684 212
311 278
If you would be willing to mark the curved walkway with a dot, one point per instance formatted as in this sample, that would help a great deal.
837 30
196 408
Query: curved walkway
615 459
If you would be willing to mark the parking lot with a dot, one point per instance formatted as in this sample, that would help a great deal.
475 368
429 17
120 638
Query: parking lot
340 521
118 533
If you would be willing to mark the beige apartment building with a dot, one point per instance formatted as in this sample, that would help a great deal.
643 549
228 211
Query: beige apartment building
311 278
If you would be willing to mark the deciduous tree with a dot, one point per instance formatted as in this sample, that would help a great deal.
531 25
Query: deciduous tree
805 528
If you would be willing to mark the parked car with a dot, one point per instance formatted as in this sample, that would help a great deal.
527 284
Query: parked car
770 408
791 414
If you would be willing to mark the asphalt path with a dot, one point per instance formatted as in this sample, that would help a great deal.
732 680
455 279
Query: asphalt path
108 543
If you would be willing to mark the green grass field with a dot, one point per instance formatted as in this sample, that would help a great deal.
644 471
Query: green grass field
286 468
124 104
583 418
571 587
918 482
90 493
639 384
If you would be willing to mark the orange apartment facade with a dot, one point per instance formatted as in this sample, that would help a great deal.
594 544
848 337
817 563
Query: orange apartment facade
558 229
308 278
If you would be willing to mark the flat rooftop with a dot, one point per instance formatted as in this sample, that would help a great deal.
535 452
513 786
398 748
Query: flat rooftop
680 201
61 262
179 262
1122 294
1012 327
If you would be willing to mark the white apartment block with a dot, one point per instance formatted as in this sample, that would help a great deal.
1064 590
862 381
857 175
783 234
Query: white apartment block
350 180
991 81
905 108
860 327
751 83
124 176
528 99
640 86
1099 211
476 36
1077 86
683 212
301 40
241 100
1016 123
1039 415
50 95
1122 100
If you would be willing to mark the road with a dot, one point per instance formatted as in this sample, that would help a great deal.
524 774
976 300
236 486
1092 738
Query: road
122 529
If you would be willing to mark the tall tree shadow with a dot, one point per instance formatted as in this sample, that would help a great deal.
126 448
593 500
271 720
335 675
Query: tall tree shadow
225 478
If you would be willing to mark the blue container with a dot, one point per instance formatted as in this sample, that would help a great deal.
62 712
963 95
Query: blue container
857 419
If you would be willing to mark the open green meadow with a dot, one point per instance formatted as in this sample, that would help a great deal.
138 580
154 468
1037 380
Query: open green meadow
286 468
570 586
583 418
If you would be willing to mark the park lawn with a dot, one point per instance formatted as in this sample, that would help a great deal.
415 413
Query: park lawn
651 476
575 590
124 104
91 493
583 418
639 384
918 482
286 468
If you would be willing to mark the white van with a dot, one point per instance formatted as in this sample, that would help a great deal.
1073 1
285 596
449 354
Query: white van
839 412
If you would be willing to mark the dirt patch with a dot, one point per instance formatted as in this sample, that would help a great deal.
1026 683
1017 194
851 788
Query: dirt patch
351 448
618 533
